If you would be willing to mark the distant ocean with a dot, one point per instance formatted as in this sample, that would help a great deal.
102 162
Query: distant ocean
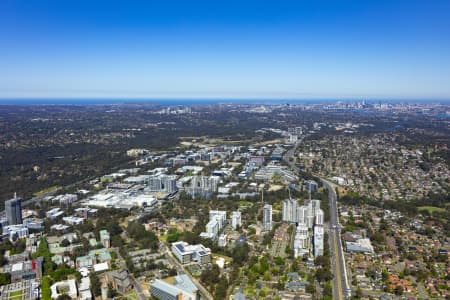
182 101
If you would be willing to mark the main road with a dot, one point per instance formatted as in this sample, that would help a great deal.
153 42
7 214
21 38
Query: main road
341 289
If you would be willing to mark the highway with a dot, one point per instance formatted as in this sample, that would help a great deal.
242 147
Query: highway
341 289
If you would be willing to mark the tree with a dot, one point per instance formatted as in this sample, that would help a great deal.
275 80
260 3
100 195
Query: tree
46 292
211 276
328 290
240 254
95 285
221 289
323 274
398 290
310 288
46 255
5 278
111 291
64 243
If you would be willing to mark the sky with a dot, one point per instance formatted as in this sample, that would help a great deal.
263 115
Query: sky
381 49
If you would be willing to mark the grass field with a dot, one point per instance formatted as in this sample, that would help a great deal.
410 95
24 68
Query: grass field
16 295
431 209
245 203
47 190
130 296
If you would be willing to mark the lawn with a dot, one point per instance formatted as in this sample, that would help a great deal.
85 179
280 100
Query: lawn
245 203
130 296
16 295
431 209
47 190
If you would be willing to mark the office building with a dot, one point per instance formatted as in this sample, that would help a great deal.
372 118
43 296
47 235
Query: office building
162 183
311 185
186 253
15 231
13 210
267 217
65 199
203 186
182 289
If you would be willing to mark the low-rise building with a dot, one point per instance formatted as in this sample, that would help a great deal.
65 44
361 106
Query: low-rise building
68 286
120 280
360 245
105 238
186 253
179 287
73 220
54 213
15 231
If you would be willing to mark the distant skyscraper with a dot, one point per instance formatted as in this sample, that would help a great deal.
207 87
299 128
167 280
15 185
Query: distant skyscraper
13 210
267 217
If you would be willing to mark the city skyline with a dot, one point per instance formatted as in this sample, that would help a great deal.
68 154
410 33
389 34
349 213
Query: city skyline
294 50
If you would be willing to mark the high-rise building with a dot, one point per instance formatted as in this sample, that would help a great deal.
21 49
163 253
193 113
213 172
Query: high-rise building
318 240
290 207
267 217
217 219
162 183
236 219
319 217
312 206
203 186
302 241
13 210
302 214
219 215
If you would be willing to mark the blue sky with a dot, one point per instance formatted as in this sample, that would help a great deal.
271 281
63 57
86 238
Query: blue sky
225 49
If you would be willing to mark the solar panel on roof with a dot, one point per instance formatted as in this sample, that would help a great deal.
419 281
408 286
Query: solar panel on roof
180 247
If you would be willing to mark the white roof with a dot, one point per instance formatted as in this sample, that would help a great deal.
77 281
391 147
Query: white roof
84 271
101 267
17 267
